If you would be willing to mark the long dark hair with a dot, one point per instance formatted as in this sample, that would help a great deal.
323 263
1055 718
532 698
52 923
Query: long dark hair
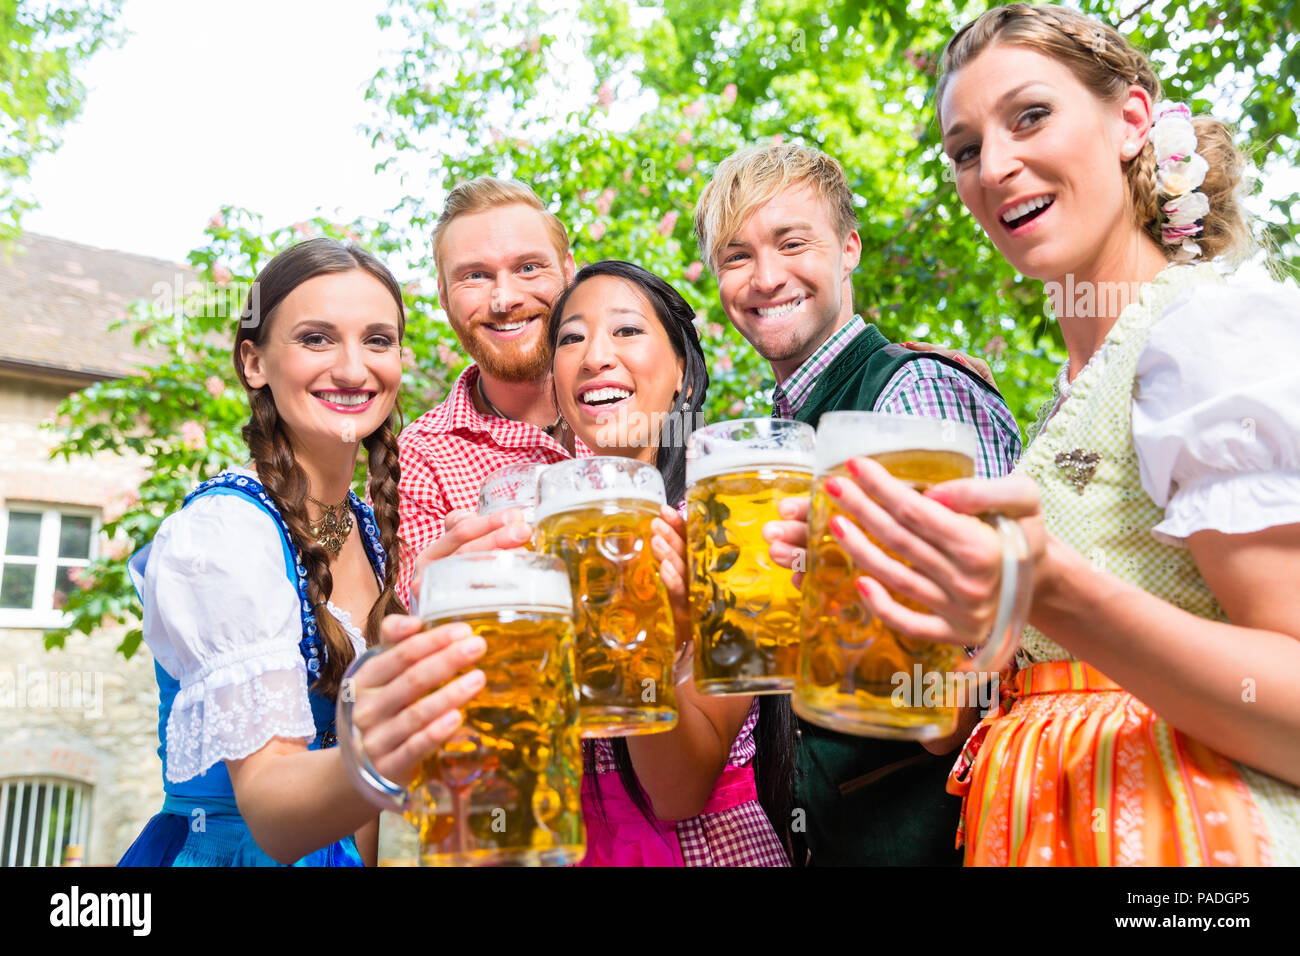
678 321
774 734
278 470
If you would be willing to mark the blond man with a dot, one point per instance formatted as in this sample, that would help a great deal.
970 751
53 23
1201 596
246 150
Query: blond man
502 258
778 228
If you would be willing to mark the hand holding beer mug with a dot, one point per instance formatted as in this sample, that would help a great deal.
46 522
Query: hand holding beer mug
595 515
505 788
857 673
503 521
746 609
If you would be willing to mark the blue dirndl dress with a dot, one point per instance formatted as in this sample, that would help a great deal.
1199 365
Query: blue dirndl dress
200 824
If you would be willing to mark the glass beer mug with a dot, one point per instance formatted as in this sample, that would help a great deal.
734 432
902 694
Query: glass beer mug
745 608
594 514
506 788
856 675
514 486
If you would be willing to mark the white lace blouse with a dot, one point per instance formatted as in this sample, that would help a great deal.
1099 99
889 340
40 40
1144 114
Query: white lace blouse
1216 411
223 619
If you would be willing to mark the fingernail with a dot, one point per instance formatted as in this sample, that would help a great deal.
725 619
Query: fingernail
459 631
780 549
472 647
833 486
837 526
473 680
447 722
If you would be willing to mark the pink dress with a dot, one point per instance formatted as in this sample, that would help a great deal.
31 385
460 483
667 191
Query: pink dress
732 830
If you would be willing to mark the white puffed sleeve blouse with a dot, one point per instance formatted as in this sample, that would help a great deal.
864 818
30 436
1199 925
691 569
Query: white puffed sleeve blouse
223 619
1216 412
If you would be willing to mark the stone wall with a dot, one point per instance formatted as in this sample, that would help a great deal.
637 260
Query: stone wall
82 712
85 713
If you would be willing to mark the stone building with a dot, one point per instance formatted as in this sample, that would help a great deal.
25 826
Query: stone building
78 725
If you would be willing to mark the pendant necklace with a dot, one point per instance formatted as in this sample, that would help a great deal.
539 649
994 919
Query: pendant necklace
332 528
550 429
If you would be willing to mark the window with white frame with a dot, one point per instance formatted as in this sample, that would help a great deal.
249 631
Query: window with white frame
46 548
40 818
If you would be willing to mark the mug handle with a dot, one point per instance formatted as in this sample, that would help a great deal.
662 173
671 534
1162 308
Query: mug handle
1013 600
374 786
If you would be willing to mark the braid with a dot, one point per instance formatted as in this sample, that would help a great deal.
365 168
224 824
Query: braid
286 483
278 469
1144 190
382 455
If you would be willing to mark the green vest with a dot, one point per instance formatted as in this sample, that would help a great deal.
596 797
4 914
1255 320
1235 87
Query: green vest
871 802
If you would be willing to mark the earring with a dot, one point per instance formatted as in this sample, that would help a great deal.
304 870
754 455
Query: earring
1130 150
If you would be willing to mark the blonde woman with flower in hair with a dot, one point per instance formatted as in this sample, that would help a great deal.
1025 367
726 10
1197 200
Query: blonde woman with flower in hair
1153 718
273 578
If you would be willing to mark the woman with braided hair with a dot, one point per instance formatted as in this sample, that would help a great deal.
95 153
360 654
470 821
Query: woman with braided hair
273 578
1153 718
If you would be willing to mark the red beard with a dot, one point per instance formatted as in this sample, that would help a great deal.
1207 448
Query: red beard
526 359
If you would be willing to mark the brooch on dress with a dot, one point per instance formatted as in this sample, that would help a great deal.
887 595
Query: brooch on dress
1079 466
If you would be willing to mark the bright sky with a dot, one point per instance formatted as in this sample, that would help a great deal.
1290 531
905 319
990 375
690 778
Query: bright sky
250 102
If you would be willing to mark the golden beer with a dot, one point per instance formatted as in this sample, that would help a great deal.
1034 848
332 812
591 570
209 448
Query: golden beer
624 626
745 608
856 675
507 787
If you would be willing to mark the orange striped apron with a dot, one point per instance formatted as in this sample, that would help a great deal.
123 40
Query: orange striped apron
1072 770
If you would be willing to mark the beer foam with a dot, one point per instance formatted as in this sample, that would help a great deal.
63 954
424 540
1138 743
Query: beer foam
515 581
747 459
573 499
845 435
583 481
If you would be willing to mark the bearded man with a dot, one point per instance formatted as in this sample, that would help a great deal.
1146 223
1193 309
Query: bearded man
502 259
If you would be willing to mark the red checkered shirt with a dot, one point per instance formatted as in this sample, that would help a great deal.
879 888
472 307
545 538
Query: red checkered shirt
446 454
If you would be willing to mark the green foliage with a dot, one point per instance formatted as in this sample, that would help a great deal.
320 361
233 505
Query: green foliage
41 48
185 413
856 79
621 149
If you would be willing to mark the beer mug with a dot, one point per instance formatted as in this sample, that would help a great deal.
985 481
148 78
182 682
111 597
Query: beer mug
506 788
594 514
856 675
745 608
514 486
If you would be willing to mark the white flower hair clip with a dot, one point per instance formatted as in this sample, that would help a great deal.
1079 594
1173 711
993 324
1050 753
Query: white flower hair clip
1180 169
